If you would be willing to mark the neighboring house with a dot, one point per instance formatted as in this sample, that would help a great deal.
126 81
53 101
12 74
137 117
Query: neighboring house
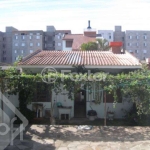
108 61
74 41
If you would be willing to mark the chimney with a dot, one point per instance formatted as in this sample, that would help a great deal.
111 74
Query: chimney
89 27
116 47
89 31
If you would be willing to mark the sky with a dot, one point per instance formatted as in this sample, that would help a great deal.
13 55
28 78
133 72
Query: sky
74 14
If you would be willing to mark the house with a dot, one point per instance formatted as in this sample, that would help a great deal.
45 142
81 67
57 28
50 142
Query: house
113 61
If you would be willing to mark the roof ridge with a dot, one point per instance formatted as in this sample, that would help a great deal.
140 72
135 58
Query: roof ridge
30 55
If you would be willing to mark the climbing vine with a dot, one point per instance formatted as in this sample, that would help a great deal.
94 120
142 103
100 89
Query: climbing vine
134 85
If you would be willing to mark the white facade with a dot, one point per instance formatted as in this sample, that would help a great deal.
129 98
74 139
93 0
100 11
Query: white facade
107 34
64 48
99 108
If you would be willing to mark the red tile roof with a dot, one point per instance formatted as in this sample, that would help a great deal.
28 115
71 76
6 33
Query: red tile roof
78 40
90 58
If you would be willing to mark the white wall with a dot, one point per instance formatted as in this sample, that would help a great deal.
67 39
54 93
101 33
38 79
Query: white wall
58 98
64 48
100 108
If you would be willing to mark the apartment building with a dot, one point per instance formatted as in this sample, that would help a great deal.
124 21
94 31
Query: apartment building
26 42
106 34
59 35
16 43
138 43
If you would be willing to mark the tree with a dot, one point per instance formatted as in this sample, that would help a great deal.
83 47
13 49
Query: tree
89 46
103 45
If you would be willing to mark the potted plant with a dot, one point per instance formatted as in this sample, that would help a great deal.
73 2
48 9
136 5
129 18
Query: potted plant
92 114
110 115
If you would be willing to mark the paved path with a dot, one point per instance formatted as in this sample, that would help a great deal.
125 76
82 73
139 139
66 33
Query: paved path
44 137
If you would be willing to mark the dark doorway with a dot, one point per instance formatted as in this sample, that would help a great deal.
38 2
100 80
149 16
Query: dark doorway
80 104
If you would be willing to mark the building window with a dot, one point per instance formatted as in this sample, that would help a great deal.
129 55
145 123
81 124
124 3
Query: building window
42 93
144 44
16 44
15 51
31 33
137 37
23 44
59 44
37 37
16 58
23 37
129 44
45 45
130 51
38 44
69 43
30 37
137 44
31 44
136 51
4 58
58 37
130 37
145 37
37 33
109 35
3 45
31 51
22 51
144 51
16 37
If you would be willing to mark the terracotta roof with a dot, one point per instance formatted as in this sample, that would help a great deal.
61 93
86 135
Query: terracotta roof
78 40
90 58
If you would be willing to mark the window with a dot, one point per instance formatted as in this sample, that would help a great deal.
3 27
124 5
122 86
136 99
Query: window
45 45
145 37
129 44
30 33
31 44
136 51
23 44
130 51
4 58
59 44
16 58
37 37
16 37
30 37
130 37
110 98
16 44
58 37
109 35
23 37
69 43
137 37
15 51
137 44
42 93
31 51
38 44
37 33
144 44
3 45
22 51
144 51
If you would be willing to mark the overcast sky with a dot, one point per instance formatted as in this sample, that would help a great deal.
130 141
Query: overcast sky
74 14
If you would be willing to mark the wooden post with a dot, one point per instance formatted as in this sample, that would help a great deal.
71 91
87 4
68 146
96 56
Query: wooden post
105 109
